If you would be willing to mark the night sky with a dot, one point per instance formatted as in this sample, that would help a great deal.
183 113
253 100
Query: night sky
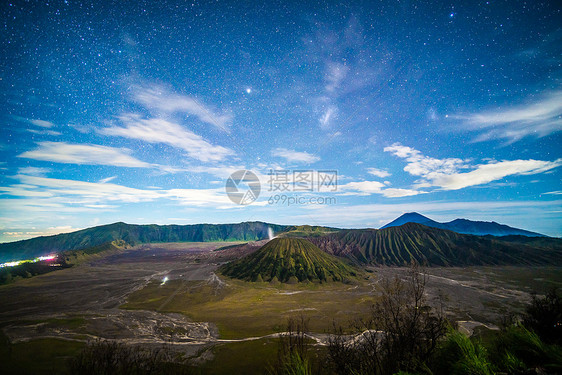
139 111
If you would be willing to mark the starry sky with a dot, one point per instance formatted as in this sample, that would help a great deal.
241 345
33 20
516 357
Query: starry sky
138 111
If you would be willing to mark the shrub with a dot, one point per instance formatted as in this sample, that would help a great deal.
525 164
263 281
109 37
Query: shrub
544 316
112 358
516 347
293 349
458 355
400 335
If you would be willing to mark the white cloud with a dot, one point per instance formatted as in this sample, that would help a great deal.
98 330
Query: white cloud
62 152
420 165
155 130
44 132
160 99
328 116
18 235
42 123
22 190
89 192
295 156
444 173
200 197
375 187
486 173
397 193
363 187
378 172
43 194
34 171
107 179
335 74
538 119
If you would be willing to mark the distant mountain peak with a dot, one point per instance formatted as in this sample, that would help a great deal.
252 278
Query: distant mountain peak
400 245
415 215
409 217
464 226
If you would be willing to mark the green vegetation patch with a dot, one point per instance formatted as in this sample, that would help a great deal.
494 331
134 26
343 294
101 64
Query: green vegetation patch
241 309
249 357
307 231
45 356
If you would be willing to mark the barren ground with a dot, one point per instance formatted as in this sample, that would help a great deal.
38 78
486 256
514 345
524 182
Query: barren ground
122 297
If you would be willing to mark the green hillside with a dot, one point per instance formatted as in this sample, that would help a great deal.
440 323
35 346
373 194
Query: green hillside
133 235
307 231
289 259
398 246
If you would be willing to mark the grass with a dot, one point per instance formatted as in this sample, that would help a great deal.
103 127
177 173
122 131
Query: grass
42 356
458 354
243 309
250 357
45 356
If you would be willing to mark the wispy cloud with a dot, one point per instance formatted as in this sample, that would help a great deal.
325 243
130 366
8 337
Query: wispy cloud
34 171
348 65
375 187
17 235
397 193
158 98
295 156
44 132
88 192
156 130
446 174
421 165
39 193
362 187
328 116
62 152
335 74
378 172
42 123
486 173
538 119
107 179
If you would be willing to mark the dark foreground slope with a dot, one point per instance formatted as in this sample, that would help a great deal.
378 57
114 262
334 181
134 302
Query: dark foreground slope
286 258
135 234
400 245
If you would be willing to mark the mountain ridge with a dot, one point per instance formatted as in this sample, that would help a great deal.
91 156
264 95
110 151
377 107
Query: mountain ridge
463 226
400 245
134 234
